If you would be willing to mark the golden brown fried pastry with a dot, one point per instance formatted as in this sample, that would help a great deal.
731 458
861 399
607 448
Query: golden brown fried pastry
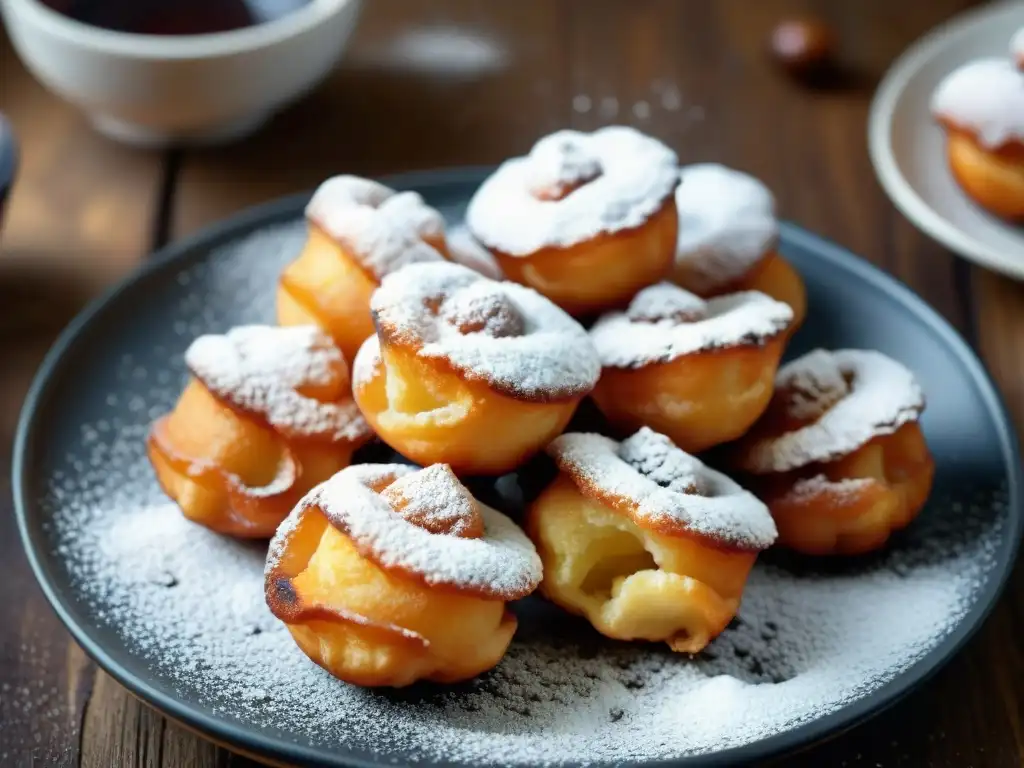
359 231
468 371
644 540
981 107
387 574
839 457
728 238
698 371
585 219
267 414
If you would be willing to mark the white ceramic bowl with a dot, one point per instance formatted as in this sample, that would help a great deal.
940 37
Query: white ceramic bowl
908 148
158 90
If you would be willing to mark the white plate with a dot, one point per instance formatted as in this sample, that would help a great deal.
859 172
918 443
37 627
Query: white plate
908 148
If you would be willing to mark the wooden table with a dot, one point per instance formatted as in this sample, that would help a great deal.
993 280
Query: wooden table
496 76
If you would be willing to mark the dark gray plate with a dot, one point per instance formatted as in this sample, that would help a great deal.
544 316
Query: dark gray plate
79 452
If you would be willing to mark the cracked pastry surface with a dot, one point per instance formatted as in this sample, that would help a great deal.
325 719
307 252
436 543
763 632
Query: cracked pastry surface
839 456
468 371
359 232
386 574
698 371
644 540
266 415
586 219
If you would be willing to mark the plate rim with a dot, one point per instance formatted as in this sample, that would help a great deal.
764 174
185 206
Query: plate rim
880 117
241 736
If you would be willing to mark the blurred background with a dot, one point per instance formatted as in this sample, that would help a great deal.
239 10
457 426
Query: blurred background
414 84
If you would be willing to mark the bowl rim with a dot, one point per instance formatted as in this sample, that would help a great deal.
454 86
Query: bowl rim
132 45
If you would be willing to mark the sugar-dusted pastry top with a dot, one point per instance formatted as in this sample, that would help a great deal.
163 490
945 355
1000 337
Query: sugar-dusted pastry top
382 229
660 486
829 404
423 524
571 188
664 323
466 250
985 98
1017 47
500 333
727 224
294 378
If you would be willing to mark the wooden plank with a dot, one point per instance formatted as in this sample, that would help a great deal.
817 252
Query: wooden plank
79 217
423 85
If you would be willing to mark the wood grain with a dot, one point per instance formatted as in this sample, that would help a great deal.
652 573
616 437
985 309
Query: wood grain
79 216
428 84
423 85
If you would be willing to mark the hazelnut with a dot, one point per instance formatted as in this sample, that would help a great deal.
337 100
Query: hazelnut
804 47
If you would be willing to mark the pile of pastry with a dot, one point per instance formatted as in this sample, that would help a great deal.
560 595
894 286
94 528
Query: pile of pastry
981 107
597 268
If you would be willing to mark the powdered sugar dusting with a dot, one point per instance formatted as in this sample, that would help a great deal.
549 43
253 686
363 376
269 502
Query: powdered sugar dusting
263 369
812 486
663 323
546 355
501 564
1017 46
859 394
383 229
562 160
433 498
637 174
666 485
189 604
985 97
726 225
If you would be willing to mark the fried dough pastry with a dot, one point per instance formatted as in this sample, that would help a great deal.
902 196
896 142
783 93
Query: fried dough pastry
585 219
386 574
728 238
981 107
644 540
468 371
267 414
359 232
698 371
839 456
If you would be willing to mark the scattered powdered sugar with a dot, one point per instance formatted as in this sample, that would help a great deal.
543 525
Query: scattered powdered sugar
806 642
262 369
628 178
666 485
856 395
985 97
811 638
466 250
501 564
536 352
726 225
664 323
383 229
